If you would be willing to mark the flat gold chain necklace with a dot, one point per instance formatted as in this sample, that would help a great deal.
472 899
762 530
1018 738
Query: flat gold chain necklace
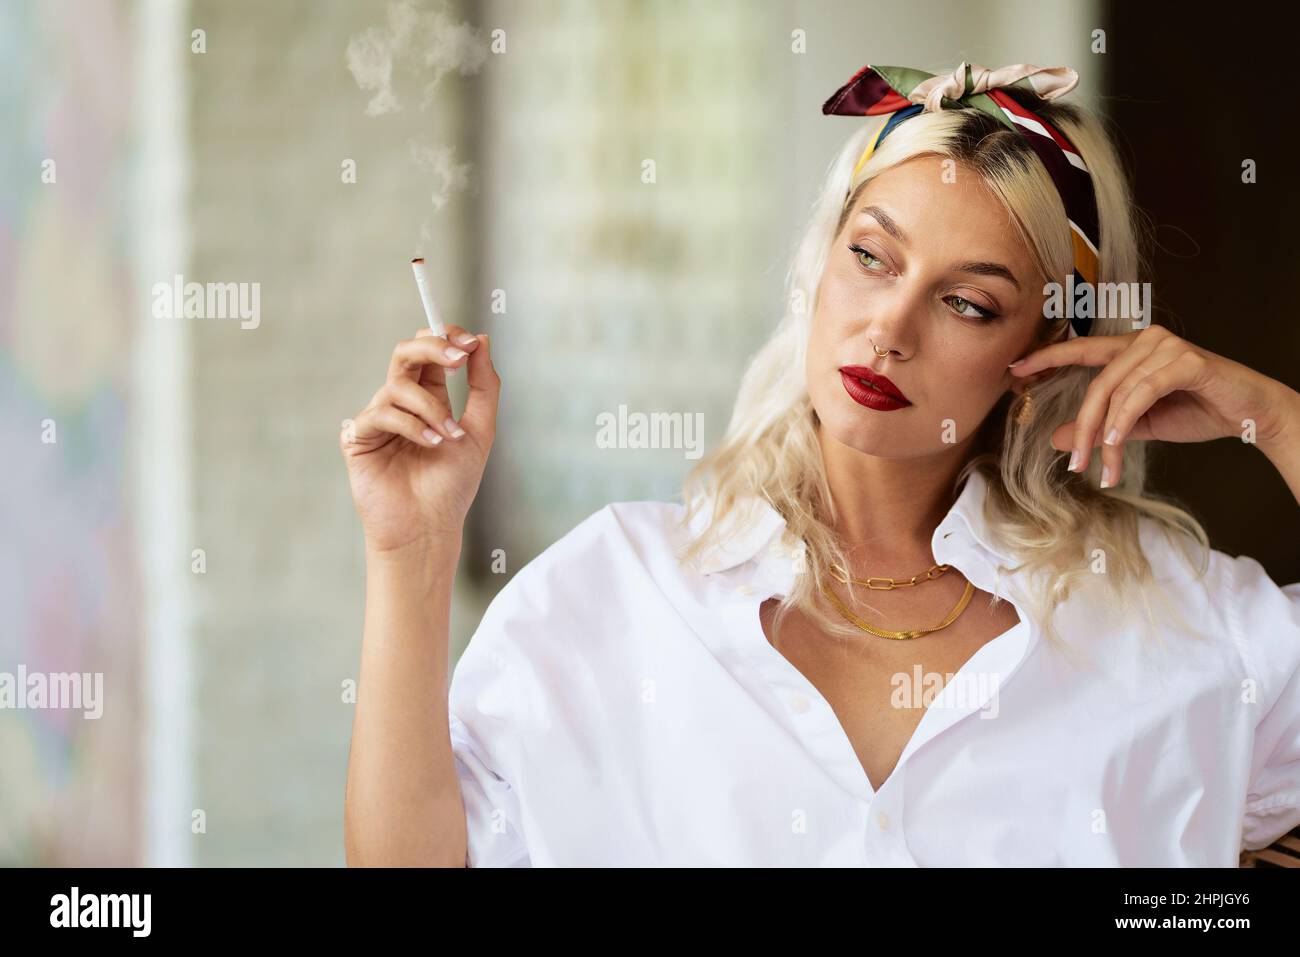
843 577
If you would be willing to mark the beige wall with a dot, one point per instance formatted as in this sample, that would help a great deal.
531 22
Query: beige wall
274 113
225 165
617 292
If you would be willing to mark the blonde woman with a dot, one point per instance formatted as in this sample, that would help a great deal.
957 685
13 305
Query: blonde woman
918 608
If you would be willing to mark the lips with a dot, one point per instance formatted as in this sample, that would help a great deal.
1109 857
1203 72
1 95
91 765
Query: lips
862 383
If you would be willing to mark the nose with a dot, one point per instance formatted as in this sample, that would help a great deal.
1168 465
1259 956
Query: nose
893 321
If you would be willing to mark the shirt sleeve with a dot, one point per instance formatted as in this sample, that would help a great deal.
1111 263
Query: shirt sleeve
1268 622
488 705
501 695
492 812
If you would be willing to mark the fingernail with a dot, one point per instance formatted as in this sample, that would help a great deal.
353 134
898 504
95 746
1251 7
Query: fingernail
1016 363
465 339
432 437
454 354
1105 476
1074 461
1112 435
455 430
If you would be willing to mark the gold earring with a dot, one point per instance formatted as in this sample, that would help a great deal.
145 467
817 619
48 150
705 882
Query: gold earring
1025 414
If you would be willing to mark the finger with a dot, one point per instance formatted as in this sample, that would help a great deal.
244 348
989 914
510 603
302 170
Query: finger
1112 463
480 415
458 335
433 377
412 356
1112 447
1023 384
1181 373
1081 351
388 419
455 334
410 397
1098 399
1062 438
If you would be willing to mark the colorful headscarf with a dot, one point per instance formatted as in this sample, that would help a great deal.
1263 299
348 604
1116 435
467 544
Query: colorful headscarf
904 92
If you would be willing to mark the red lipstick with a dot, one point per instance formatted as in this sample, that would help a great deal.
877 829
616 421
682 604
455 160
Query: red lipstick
872 389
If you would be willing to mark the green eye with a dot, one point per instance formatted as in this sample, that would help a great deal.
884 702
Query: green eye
960 306
860 253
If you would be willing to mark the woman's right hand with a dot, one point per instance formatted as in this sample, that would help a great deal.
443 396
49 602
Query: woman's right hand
412 477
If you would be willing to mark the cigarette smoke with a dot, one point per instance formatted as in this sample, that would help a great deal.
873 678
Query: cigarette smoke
416 45
415 50
441 160
453 177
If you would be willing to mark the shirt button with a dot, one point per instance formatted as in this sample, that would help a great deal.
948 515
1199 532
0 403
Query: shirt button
882 820
747 590
798 703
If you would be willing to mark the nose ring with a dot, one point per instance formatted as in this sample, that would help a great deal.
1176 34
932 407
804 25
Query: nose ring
876 349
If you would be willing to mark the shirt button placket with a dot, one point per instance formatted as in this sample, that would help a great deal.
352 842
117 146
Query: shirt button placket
885 846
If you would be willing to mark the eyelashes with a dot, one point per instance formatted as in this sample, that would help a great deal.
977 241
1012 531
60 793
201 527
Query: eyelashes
859 252
980 313
986 315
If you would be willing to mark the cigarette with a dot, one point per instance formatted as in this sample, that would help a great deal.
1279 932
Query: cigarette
426 296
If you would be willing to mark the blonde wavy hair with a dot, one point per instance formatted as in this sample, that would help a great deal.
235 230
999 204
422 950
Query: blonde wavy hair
1049 518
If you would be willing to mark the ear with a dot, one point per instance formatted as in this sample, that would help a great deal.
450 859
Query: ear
1020 383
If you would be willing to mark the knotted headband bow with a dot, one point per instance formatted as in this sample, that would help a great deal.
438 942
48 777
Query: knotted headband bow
904 92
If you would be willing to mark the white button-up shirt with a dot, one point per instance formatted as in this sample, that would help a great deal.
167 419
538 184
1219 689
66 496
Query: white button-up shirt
614 708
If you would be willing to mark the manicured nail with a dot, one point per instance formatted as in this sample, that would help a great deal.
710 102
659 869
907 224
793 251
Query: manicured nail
1016 363
1112 435
1074 461
465 339
454 354
1105 476
455 430
432 437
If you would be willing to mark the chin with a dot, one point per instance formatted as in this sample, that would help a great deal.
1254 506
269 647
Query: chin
883 434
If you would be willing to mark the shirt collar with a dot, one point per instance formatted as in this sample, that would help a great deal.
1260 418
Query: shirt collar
760 526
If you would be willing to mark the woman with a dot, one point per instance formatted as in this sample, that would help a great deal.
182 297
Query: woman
918 607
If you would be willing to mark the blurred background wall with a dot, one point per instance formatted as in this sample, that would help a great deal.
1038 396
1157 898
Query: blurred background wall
190 532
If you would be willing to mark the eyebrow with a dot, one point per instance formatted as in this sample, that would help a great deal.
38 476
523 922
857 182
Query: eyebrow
989 269
886 222
975 268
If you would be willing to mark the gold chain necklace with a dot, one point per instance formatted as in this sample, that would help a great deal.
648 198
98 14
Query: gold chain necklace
842 576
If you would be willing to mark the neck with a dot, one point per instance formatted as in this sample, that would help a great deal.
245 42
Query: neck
887 509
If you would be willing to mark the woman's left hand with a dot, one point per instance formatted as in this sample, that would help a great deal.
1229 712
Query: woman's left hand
1156 385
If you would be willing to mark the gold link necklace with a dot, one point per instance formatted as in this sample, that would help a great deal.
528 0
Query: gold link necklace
935 571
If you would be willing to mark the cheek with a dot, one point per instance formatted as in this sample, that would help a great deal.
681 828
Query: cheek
839 297
840 306
970 377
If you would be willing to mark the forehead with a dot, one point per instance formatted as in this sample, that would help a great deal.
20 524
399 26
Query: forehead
930 190
933 199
